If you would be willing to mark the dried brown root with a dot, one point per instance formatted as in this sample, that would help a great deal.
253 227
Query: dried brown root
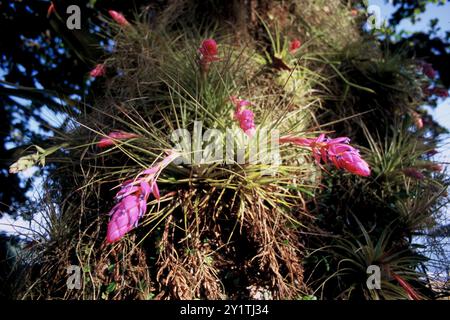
278 257
125 266
188 272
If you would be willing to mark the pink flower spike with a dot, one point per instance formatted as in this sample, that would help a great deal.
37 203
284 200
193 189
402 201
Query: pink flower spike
98 71
51 9
208 54
126 214
294 45
337 151
118 17
246 118
132 199
346 157
115 135
132 203
209 50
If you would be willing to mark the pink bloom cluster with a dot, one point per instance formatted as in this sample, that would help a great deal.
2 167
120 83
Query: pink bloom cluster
337 151
245 117
294 45
98 71
119 18
131 207
132 199
115 135
208 53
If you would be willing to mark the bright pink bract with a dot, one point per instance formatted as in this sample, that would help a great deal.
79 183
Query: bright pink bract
98 71
118 17
294 45
208 54
115 135
245 117
51 9
132 199
337 151
125 215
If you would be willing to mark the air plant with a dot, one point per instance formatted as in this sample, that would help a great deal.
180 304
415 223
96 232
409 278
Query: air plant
354 254
284 51
30 160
